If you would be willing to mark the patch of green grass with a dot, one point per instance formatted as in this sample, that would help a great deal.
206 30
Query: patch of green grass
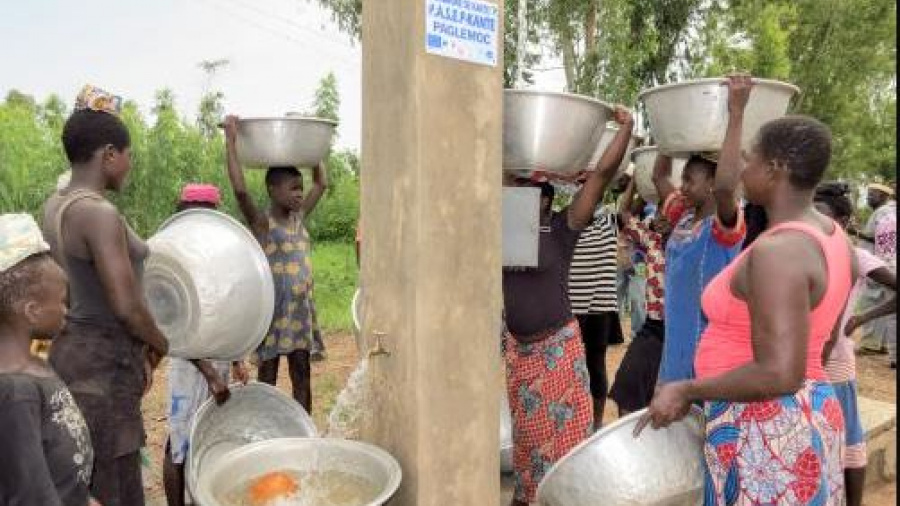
335 278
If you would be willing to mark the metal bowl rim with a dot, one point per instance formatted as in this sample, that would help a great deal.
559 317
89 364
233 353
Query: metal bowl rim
710 80
609 428
612 126
643 149
394 470
560 94
192 475
681 155
292 119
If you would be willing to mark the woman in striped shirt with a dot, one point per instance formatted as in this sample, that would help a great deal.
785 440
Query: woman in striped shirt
592 293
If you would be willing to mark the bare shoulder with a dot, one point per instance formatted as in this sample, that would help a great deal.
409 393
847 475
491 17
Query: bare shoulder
787 247
90 210
790 258
95 219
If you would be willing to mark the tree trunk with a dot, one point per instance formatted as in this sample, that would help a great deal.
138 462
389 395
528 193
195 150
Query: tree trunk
570 61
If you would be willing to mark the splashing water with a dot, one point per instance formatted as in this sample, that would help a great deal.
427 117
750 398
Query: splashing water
313 488
348 414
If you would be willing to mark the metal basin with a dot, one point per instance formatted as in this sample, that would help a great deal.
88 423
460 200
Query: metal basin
506 443
644 159
302 455
692 115
612 468
609 132
290 141
255 412
203 269
550 131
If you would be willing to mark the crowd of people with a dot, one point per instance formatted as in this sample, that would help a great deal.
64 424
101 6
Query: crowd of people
771 365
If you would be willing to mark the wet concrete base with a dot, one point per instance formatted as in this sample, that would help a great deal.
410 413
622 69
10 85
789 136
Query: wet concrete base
506 489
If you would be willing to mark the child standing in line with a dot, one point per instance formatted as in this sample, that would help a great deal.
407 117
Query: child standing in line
283 236
46 443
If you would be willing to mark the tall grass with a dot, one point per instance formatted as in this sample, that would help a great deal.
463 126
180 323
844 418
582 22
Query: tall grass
335 276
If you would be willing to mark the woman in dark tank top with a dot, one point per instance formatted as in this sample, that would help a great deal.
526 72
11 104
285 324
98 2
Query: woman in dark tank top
546 374
110 345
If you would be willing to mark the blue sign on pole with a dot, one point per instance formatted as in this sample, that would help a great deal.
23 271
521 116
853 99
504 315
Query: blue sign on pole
462 29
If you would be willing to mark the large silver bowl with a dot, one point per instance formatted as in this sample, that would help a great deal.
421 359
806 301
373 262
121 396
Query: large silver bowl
203 268
550 131
692 115
255 412
613 468
303 455
644 158
290 141
609 132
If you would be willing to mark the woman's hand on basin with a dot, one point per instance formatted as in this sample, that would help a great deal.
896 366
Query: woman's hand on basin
670 403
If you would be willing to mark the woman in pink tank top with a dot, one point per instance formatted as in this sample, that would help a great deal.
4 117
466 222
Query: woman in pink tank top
774 429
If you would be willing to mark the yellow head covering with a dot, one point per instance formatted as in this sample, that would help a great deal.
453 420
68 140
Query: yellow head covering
20 238
95 99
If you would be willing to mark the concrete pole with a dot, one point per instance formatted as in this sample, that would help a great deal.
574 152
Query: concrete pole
431 258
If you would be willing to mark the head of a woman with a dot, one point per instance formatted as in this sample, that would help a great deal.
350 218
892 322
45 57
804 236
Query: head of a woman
98 141
788 154
832 200
697 180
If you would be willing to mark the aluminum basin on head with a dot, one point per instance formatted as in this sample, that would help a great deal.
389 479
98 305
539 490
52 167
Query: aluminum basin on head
287 141
609 133
302 455
551 131
692 115
613 468
255 412
644 159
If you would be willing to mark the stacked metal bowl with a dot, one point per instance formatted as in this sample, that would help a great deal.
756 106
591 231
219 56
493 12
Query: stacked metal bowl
255 412
302 455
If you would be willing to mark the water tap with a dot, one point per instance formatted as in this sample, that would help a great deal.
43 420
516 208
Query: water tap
379 348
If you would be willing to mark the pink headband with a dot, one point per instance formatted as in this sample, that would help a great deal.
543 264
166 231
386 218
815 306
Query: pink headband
203 193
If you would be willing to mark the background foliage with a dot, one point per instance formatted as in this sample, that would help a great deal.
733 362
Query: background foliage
841 53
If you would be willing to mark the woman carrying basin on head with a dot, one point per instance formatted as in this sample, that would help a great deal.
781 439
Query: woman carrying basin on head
708 228
110 345
547 378
774 429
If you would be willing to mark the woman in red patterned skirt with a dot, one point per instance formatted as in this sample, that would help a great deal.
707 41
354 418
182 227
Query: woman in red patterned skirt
547 378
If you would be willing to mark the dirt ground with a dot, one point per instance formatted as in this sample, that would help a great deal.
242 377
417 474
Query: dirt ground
876 381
